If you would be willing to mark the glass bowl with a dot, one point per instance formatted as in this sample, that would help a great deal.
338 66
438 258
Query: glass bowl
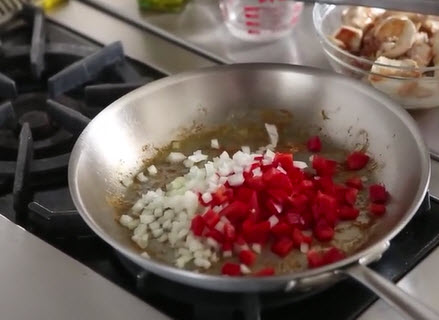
413 88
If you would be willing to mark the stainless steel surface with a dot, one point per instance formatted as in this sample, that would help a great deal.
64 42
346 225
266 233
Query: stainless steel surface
405 304
40 282
95 171
434 181
420 282
139 45
200 27
428 121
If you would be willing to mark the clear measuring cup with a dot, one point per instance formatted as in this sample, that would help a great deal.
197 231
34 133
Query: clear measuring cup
260 20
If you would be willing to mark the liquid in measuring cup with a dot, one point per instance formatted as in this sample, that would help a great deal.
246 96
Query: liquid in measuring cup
260 20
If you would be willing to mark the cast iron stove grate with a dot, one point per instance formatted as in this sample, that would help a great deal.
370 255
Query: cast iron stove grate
49 90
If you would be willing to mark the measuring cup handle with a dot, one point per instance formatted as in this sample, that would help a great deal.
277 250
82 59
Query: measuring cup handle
407 305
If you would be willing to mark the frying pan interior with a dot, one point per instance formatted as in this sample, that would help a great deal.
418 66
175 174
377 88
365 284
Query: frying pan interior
113 146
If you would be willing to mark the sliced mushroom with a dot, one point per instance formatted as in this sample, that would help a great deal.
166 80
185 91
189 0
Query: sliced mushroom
397 35
360 17
390 79
369 44
404 68
435 48
416 18
421 51
431 24
350 37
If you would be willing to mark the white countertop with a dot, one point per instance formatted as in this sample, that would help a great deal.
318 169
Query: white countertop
39 282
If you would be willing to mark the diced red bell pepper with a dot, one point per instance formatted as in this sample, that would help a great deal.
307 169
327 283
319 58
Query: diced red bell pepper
325 207
307 184
229 232
293 219
282 247
377 209
222 195
281 229
253 204
257 233
323 166
340 193
301 221
285 160
272 208
323 231
255 183
333 255
299 238
315 259
243 194
215 234
197 225
278 195
351 196
299 203
236 211
357 160
348 213
269 271
307 221
326 185
211 218
314 144
355 182
378 193
231 269
296 175
226 246
247 257
275 179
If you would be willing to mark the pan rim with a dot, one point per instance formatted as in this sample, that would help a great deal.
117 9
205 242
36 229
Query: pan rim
241 284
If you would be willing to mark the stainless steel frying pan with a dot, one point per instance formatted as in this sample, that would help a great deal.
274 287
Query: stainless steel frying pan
114 144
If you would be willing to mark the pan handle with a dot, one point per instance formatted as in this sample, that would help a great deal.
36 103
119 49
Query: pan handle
407 305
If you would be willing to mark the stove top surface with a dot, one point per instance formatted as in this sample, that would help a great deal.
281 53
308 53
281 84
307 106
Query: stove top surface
52 82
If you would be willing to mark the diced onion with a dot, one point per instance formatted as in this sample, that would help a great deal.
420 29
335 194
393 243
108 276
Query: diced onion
214 144
141 177
246 149
272 134
304 247
197 157
273 220
227 254
152 170
257 172
127 181
256 247
300 164
245 269
207 197
175 157
281 169
236 179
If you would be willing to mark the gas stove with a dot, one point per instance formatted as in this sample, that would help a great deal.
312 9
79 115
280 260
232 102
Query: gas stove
53 81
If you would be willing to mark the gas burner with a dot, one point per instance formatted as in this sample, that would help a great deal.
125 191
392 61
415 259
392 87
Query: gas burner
49 91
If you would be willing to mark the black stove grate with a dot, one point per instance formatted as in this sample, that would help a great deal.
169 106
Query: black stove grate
49 91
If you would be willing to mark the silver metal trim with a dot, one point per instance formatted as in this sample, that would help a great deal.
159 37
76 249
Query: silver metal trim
140 45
